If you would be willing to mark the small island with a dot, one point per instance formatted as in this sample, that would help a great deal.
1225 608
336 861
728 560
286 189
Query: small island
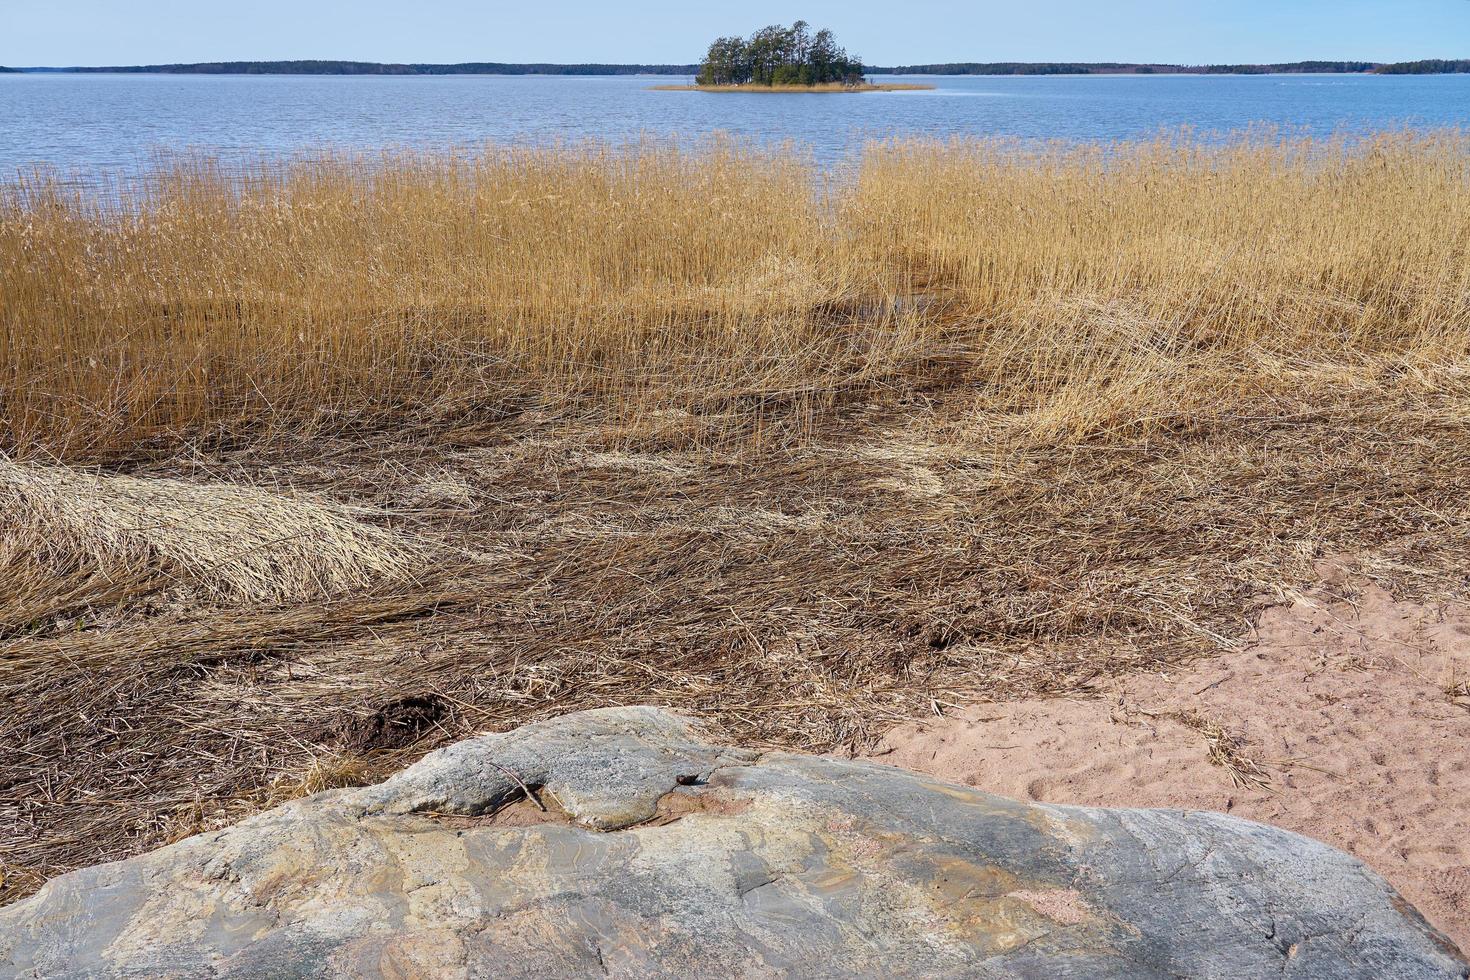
783 59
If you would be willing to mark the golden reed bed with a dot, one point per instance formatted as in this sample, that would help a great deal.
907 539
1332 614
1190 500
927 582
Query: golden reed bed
1094 280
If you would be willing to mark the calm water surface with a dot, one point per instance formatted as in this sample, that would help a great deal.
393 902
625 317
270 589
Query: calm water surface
93 123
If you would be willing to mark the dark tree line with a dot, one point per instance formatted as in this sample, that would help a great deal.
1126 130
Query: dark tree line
779 55
1126 68
1294 68
374 68
1433 66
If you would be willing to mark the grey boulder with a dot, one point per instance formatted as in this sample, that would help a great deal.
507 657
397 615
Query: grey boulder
622 842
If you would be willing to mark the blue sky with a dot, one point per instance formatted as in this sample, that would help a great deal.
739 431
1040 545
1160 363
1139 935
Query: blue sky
91 32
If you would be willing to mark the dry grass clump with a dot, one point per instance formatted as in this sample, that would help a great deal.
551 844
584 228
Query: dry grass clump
70 534
1226 751
39 584
324 772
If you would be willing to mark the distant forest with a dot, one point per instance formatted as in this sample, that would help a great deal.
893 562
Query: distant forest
1120 68
1434 66
374 68
1427 67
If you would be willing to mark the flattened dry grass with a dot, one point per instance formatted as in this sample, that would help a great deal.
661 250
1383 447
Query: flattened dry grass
228 542
42 586
894 562
805 454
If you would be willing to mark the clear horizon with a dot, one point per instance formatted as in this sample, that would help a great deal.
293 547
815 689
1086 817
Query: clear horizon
64 33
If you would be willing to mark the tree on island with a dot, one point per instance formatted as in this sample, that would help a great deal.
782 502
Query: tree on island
779 55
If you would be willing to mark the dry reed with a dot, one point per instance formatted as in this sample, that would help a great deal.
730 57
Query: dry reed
340 291
226 542
805 453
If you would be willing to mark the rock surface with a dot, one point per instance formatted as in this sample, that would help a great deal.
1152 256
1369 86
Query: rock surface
660 854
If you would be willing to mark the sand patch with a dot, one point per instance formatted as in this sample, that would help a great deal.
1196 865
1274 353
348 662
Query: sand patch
1347 721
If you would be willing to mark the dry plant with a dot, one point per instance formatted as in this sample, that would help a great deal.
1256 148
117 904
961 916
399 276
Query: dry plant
803 452
1083 281
41 585
1226 751
68 531
321 773
352 287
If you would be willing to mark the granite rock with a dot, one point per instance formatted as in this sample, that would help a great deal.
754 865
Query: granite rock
623 842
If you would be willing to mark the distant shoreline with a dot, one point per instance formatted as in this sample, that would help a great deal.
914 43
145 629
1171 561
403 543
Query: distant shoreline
1426 67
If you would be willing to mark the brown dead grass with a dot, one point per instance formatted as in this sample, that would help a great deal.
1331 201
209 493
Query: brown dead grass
542 431
1225 749
42 587
801 594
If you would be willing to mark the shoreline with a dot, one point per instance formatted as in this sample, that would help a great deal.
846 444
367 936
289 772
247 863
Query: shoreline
797 89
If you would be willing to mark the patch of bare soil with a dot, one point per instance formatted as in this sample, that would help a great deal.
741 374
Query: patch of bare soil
1345 717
